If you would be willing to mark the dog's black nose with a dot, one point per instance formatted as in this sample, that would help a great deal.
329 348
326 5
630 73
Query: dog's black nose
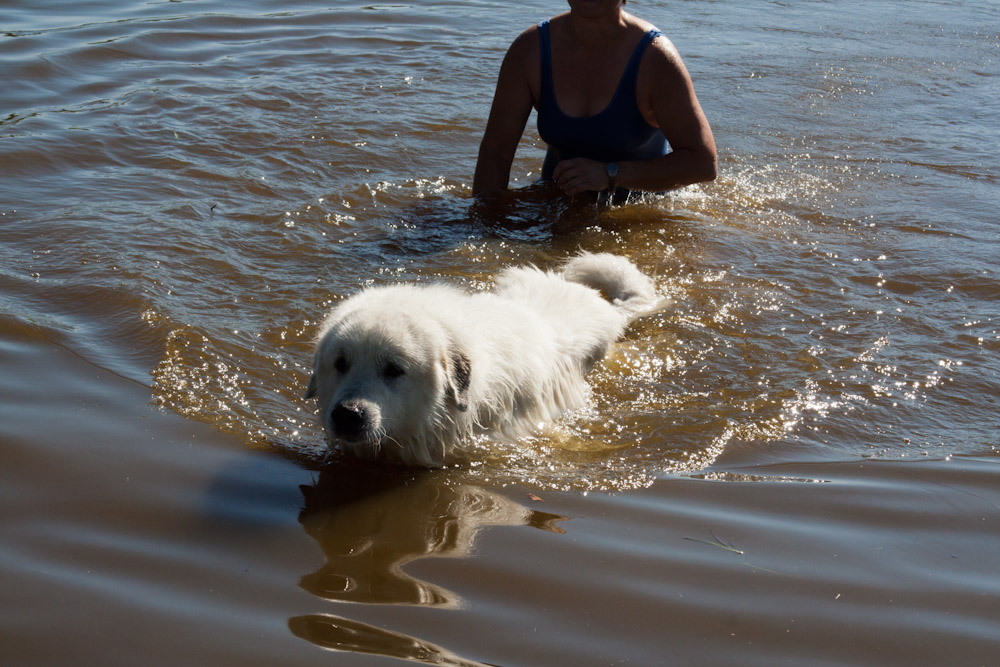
348 420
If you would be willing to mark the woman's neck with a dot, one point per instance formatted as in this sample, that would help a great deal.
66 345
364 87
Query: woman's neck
594 28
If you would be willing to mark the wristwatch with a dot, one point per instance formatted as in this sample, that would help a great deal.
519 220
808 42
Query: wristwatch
612 170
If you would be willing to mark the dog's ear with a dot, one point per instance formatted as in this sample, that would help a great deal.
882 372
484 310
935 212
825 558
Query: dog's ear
459 370
311 390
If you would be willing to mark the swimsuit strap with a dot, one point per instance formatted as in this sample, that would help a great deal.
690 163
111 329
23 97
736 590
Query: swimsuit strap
633 63
545 46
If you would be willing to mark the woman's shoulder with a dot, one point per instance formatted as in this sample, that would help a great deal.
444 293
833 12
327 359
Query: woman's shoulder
661 49
662 68
638 24
662 54
521 61
525 45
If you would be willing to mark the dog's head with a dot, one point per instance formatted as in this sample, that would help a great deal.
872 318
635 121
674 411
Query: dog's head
389 380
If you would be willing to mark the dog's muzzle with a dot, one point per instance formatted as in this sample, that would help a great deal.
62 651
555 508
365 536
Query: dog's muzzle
351 420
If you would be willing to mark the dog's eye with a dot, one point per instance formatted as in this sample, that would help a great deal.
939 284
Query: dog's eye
340 364
392 370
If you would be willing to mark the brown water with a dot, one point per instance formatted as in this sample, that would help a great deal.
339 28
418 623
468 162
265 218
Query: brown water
795 463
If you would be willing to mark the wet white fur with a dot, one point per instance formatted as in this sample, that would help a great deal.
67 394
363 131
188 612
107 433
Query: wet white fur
501 362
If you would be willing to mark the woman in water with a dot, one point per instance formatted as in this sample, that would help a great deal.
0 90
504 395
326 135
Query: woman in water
615 103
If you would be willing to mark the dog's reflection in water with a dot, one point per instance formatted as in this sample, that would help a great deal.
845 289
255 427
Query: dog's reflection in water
371 522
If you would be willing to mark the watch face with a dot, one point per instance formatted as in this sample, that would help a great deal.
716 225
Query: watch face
612 169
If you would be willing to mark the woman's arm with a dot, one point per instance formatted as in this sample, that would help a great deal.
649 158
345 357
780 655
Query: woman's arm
512 104
676 109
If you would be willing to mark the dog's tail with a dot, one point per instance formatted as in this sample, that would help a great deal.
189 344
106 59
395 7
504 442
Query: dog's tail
615 277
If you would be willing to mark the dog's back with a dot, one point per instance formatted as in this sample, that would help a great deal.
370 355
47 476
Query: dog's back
588 303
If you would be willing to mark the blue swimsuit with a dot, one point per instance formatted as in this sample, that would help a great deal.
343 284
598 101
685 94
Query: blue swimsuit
619 132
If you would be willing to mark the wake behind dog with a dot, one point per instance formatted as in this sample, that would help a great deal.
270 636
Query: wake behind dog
407 373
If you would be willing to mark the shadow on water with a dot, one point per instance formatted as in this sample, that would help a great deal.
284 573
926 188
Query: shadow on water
370 522
341 634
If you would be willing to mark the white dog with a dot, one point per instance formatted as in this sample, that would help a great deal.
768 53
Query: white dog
404 373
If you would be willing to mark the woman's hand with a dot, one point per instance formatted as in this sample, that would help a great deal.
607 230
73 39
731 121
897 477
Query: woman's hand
580 174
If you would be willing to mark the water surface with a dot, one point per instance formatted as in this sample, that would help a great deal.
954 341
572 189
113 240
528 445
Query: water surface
795 462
